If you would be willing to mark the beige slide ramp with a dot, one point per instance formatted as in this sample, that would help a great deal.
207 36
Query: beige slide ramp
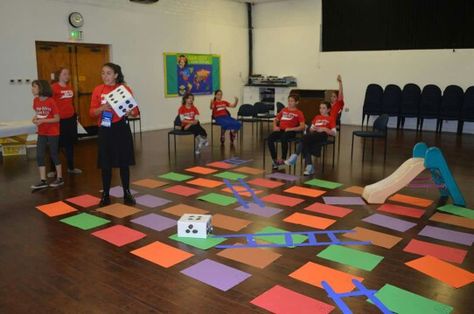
378 192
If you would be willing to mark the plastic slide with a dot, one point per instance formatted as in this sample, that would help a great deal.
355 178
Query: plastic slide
423 158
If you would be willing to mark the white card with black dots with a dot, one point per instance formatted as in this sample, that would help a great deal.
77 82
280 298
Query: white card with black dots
121 100
194 226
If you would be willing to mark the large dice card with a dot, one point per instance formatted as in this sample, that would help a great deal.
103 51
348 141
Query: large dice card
121 100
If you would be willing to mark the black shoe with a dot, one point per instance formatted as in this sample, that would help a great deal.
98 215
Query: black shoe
104 200
128 198
41 185
56 183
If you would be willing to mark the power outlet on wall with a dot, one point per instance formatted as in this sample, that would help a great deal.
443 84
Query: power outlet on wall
346 110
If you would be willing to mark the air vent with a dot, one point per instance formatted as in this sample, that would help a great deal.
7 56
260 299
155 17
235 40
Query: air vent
145 1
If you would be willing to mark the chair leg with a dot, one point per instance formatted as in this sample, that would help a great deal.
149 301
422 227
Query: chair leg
440 125
264 151
385 150
421 124
363 149
169 153
352 147
368 118
373 140
212 133
333 153
363 118
460 127
140 125
174 144
323 158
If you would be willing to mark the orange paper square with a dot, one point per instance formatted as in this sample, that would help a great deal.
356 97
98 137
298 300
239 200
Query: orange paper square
56 209
299 190
249 170
181 209
206 183
162 254
309 221
401 198
201 170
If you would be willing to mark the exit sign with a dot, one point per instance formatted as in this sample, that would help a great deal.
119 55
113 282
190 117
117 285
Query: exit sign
76 35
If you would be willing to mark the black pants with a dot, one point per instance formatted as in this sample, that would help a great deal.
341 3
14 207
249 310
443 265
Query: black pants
283 137
67 139
311 145
41 144
107 178
197 129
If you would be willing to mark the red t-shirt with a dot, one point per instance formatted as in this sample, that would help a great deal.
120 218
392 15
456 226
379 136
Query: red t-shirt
63 96
219 108
46 109
321 121
187 115
98 99
290 118
336 108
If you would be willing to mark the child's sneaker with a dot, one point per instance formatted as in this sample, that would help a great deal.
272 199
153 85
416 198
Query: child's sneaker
40 185
277 163
292 160
74 171
51 174
57 182
309 170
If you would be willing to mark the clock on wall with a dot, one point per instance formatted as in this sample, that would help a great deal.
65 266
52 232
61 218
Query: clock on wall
76 20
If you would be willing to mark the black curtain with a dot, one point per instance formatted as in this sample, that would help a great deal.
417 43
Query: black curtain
350 25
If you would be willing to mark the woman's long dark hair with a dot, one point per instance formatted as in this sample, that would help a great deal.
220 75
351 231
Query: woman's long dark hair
186 96
117 70
44 89
215 93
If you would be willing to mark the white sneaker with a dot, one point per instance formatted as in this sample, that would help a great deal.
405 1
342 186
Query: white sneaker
292 160
309 170
51 174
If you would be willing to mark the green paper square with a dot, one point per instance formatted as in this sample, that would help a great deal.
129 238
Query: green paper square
230 175
297 238
174 176
405 302
218 199
85 221
324 184
202 244
351 257
457 210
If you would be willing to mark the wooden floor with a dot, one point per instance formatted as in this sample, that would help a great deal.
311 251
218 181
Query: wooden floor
50 267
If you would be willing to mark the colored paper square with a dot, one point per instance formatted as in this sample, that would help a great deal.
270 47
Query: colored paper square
242 191
150 183
205 183
265 183
355 190
182 190
343 200
181 209
229 223
85 221
119 235
453 220
56 209
200 243
451 275
255 257
255 209
151 201
230 175
281 300
84 201
282 200
352 257
174 176
304 191
389 222
155 222
309 221
117 191
218 199
201 170
376 238
448 235
443 252
417 201
249 170
279 239
220 165
324 184
313 274
401 210
162 254
457 210
216 274
119 210
329 209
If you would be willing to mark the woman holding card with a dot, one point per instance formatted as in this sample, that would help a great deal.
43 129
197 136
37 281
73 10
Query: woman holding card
115 138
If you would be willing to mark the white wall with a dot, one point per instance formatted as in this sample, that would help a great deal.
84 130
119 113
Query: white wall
287 42
138 35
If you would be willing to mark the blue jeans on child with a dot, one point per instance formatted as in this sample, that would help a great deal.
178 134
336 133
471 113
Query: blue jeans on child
228 123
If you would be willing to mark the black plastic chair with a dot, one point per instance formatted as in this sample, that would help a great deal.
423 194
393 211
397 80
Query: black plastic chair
451 104
178 131
429 104
391 100
467 111
246 114
372 102
409 106
379 130
280 107
263 114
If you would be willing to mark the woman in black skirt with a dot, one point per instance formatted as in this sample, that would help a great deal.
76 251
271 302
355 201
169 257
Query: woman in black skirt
115 138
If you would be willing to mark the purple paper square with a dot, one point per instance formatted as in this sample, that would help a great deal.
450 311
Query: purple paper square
282 176
117 191
155 222
216 274
343 200
448 235
389 222
259 211
151 201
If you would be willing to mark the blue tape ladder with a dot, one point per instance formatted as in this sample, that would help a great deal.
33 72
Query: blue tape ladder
237 161
362 291
311 235
248 189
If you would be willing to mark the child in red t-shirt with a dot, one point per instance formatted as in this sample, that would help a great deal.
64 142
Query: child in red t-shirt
222 116
322 126
287 123
47 121
189 116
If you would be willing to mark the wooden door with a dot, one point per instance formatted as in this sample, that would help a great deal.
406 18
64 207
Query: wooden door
52 56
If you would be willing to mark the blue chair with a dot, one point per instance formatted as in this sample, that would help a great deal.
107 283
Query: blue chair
467 111
178 131
391 100
410 102
429 104
379 130
451 104
372 102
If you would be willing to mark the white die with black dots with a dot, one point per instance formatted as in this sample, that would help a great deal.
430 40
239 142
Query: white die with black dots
194 226
121 100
